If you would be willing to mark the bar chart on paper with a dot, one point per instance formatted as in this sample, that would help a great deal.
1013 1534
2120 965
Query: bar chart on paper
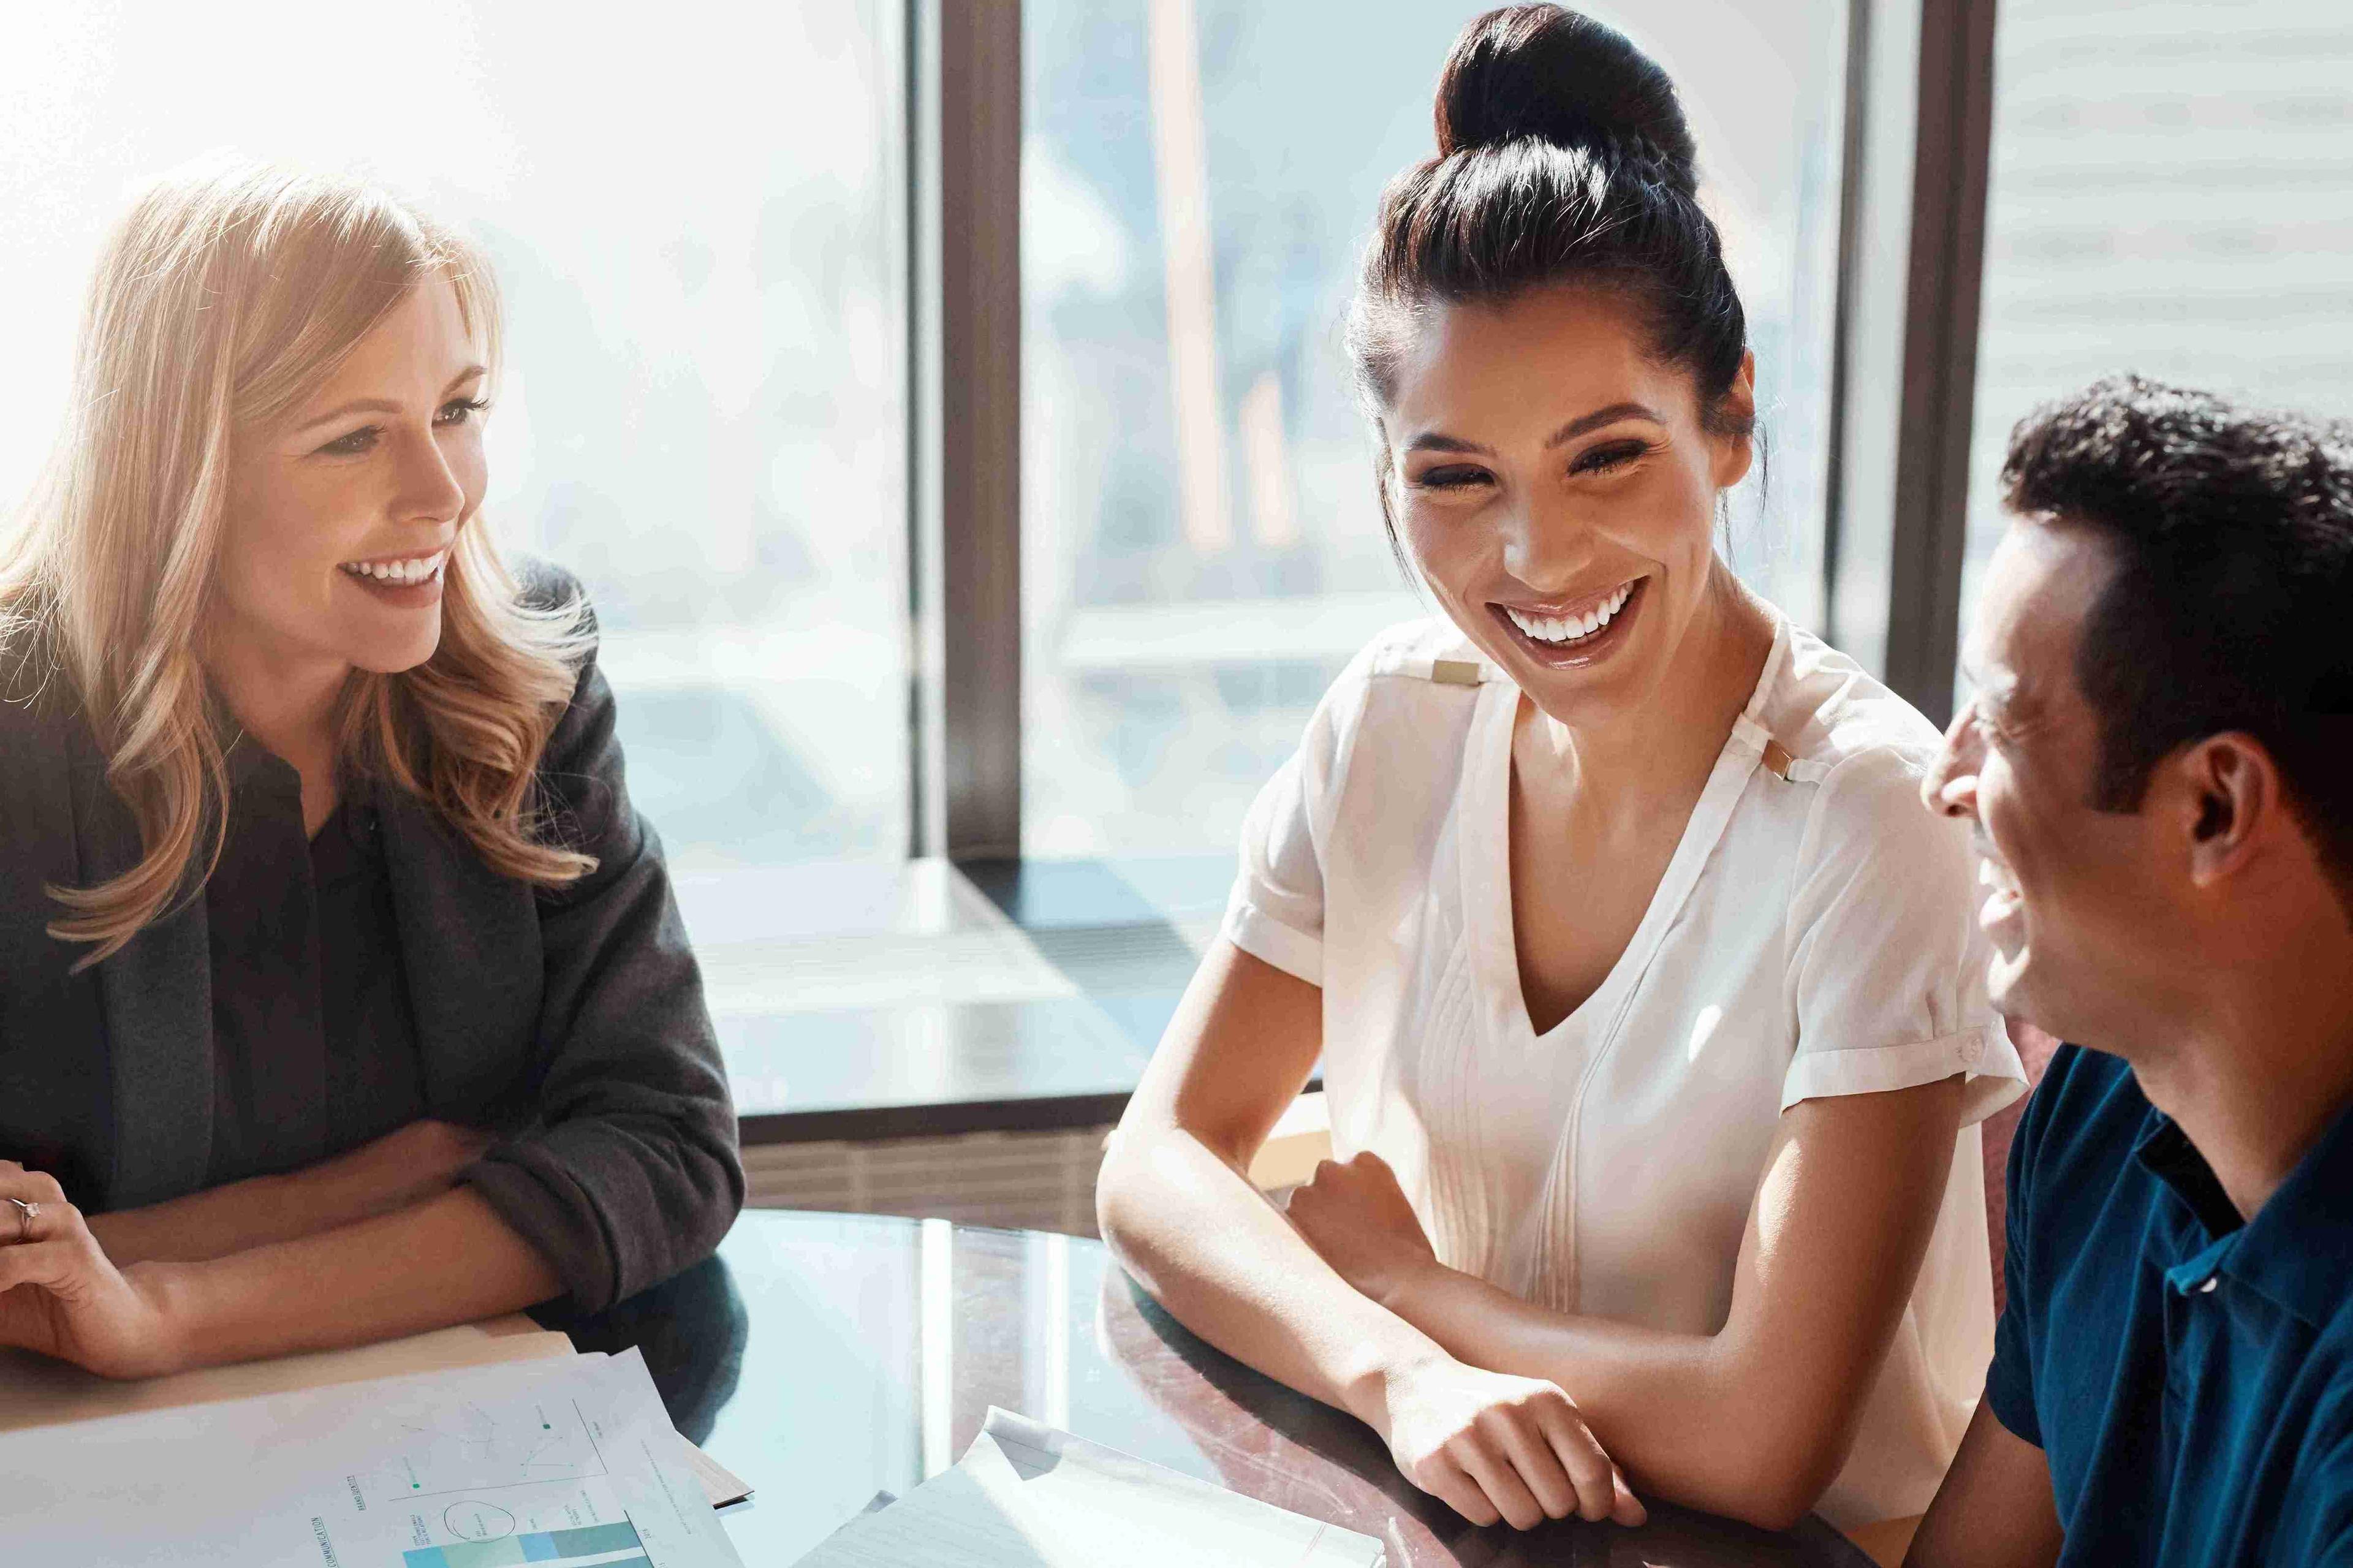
594 1546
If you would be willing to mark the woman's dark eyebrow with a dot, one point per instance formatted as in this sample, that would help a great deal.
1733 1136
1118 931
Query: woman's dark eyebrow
1430 441
1598 418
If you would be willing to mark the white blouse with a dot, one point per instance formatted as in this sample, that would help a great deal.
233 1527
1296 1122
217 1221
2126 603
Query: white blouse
1815 934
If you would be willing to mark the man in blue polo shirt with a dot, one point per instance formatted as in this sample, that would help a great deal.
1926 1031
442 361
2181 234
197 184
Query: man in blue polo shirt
2158 761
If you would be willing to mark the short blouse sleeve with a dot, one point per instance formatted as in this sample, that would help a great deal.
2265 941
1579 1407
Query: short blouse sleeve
1887 963
1276 910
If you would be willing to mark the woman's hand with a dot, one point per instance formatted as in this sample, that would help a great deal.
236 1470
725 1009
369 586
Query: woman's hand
1491 1446
1354 1214
62 1295
417 1160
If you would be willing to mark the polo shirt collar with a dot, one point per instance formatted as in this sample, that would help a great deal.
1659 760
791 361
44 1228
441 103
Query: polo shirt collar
2298 1249
2166 1152
2296 1252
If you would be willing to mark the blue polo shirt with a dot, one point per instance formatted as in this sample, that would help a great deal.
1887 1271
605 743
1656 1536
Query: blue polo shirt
2189 1377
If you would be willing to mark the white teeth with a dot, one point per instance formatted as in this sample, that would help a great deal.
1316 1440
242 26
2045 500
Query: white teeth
1572 628
418 569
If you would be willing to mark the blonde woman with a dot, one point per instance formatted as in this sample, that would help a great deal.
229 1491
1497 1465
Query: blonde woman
342 993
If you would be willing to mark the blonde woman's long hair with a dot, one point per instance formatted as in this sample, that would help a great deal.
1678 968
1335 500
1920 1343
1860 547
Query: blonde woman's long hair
227 296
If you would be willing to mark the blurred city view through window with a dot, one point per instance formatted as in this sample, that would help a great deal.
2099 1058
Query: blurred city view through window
698 222
2172 194
1202 545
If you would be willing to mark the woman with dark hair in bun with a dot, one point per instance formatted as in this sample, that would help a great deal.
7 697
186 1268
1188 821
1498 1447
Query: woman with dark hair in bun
1651 1009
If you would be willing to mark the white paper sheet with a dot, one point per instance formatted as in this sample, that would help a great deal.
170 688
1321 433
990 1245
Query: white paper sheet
723 1487
1027 1496
557 1462
36 1391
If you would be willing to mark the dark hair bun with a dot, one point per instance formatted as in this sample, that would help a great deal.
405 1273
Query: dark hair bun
1559 76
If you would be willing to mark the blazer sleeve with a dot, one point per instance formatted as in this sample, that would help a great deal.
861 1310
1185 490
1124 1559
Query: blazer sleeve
629 1171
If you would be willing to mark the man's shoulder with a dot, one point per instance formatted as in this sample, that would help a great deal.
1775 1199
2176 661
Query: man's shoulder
2093 1083
2313 1516
2081 1125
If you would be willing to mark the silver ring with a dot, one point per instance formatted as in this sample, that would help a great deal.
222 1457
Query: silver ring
26 1214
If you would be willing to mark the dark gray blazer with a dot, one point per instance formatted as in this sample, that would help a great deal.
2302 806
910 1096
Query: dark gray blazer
571 1021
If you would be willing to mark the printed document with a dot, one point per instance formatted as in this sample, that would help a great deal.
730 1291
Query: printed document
566 1462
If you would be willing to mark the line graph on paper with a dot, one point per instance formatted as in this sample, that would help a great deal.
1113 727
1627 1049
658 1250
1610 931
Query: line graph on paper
472 1447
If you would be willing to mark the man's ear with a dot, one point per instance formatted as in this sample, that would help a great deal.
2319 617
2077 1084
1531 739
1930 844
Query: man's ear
2224 793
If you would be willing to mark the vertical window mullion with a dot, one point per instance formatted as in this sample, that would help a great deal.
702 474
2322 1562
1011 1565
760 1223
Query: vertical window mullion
965 435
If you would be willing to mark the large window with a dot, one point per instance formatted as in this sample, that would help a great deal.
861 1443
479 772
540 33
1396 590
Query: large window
2172 194
696 220
1202 550
701 223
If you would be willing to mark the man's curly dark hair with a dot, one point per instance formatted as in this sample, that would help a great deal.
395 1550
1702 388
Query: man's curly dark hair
2231 607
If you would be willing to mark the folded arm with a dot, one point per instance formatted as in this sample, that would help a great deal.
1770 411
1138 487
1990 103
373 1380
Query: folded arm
398 1169
629 1171
1177 1209
1752 1421
445 1260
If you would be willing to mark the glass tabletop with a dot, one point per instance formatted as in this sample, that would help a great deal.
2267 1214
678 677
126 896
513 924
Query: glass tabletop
825 1358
